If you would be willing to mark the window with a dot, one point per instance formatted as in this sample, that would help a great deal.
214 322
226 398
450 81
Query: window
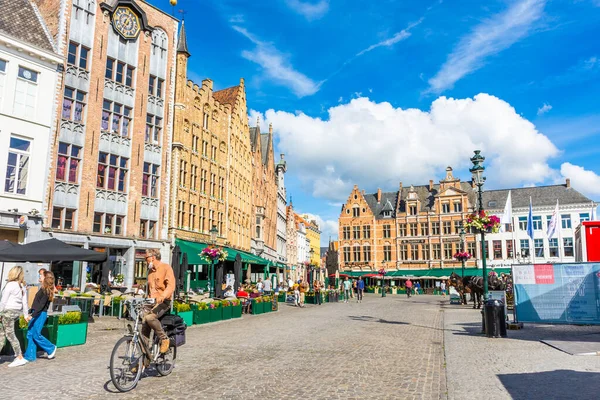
180 213
73 105
221 188
26 93
523 223
583 217
387 253
445 208
435 228
346 231
119 72
192 216
78 55
538 244
2 75
448 251
413 229
108 224
553 247
437 251
150 180
403 252
568 247
147 229
182 173
193 177
62 218
195 140
213 153
524 248
17 167
412 210
112 172
471 248
346 254
457 226
366 232
203 181
566 221
367 253
356 212
457 207
537 222
414 252
205 120
424 229
213 178
116 118
67 162
205 148
497 249
386 232
203 220
424 252
155 86
447 226
510 249
402 230
153 128
356 254
356 232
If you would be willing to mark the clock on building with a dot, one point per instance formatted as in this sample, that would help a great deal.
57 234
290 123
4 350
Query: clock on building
126 22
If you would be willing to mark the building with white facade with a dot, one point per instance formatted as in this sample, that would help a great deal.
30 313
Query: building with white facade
280 170
303 247
514 246
29 79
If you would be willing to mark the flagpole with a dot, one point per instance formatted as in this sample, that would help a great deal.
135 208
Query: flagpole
559 227
514 241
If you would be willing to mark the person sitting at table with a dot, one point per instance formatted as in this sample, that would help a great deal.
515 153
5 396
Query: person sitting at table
229 292
242 293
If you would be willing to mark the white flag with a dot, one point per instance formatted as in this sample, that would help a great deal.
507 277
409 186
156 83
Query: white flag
507 215
553 222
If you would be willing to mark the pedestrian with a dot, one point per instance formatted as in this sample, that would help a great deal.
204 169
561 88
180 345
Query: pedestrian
290 283
347 289
360 289
260 286
317 287
303 289
41 273
417 287
443 288
12 305
39 310
267 285
296 288
408 285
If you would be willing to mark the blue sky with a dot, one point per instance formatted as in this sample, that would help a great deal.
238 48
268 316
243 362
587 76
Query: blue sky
373 93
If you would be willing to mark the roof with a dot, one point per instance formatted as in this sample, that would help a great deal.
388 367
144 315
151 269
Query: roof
227 96
254 132
377 208
264 147
182 46
20 20
540 196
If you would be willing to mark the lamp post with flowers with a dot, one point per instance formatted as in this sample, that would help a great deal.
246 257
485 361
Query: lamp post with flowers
463 255
382 272
212 254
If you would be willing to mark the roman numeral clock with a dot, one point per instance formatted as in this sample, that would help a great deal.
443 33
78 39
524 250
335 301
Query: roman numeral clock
126 23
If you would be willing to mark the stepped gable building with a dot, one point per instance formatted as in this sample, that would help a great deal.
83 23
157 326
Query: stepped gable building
29 61
264 194
109 165
291 241
416 227
514 245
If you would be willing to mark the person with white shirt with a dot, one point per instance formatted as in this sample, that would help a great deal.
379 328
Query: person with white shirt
267 286
12 305
260 286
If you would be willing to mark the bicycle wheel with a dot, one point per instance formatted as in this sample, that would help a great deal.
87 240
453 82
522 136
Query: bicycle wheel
166 361
126 364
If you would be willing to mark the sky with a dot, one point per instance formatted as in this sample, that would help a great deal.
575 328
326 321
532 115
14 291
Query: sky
388 91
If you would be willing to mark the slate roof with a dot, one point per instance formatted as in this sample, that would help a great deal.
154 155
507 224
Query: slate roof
227 96
540 196
254 134
377 208
21 21
182 46
264 147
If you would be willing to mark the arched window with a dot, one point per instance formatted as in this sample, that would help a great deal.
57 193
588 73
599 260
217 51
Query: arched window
159 43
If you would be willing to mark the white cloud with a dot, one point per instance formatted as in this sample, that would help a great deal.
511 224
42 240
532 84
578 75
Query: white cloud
396 37
237 19
544 109
377 145
488 38
277 67
585 181
310 11
328 227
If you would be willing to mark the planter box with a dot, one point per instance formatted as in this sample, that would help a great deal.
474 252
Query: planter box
187 316
215 314
72 334
257 308
309 299
236 311
116 306
226 312
201 316
281 298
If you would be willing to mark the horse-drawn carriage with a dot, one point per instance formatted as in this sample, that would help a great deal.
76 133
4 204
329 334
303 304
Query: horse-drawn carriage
473 285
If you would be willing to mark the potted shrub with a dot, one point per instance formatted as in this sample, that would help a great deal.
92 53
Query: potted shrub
201 313
281 297
71 329
226 309
267 304
309 297
116 306
236 309
214 308
184 310
257 306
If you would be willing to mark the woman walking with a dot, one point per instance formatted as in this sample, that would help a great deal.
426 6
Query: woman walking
12 305
39 310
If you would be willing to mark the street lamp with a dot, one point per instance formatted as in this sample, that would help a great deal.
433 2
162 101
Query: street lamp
462 235
213 240
478 178
382 273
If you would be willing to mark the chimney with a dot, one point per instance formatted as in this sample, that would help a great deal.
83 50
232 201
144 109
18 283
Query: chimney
568 183
430 185
379 195
363 192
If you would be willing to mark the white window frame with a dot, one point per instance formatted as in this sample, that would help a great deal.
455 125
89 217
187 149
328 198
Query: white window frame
19 154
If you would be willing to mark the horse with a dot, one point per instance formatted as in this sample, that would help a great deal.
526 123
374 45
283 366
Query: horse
457 282
475 284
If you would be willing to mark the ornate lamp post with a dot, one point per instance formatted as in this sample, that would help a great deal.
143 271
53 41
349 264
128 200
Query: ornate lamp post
213 240
478 178
382 273
462 235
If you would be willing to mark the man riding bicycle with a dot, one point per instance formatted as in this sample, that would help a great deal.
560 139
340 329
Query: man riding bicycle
161 285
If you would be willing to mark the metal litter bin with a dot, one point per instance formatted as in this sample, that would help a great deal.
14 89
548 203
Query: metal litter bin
494 318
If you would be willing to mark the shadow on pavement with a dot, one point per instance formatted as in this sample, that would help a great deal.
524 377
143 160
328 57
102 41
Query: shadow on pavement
558 384
366 318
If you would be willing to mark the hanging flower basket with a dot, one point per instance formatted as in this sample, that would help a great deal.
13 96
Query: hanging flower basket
483 221
382 272
212 254
462 256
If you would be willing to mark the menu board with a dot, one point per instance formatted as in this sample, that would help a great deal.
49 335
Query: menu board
557 293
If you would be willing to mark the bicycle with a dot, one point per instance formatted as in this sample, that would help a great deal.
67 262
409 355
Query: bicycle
134 353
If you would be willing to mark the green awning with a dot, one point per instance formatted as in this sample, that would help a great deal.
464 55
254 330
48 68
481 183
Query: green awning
193 250
428 273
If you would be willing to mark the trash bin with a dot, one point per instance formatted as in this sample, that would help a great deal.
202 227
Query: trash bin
494 318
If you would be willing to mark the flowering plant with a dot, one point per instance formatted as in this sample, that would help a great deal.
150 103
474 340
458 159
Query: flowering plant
211 254
483 221
257 299
382 272
462 256
493 274
225 303
235 302
202 306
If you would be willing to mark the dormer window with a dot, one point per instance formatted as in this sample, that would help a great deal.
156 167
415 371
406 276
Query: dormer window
412 210
387 214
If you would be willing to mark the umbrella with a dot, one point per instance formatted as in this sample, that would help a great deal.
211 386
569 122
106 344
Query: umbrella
8 246
219 279
183 268
175 257
237 271
50 250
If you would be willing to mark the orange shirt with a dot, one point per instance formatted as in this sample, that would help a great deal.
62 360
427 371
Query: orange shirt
161 281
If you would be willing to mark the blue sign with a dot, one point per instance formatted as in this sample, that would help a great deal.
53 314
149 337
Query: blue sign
557 293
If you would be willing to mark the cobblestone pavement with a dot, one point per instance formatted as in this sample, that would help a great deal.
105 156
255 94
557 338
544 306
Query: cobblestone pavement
518 367
383 348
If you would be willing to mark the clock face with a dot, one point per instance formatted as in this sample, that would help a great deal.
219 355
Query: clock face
126 22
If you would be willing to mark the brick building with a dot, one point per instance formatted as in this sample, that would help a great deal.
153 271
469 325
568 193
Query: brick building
109 169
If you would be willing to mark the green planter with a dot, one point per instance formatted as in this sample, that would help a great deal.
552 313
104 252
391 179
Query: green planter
71 335
309 299
257 308
281 298
187 316
215 314
201 316
116 306
226 312
236 311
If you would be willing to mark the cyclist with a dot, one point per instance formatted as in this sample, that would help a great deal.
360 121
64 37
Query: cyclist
161 285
